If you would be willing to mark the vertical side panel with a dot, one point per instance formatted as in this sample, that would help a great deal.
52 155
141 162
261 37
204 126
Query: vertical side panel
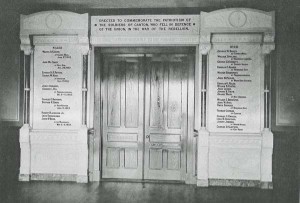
114 95
156 94
174 95
123 129
132 95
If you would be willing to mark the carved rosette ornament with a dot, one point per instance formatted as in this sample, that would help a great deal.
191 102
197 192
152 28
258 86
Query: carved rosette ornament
237 19
53 21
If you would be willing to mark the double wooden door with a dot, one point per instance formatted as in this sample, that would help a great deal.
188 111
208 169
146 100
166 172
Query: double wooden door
144 127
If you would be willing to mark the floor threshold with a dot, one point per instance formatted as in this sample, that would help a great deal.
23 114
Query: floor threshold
142 181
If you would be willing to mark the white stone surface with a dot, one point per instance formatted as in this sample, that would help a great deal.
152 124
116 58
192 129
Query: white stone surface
234 89
25 153
234 157
266 156
51 151
203 152
57 86
59 152
247 153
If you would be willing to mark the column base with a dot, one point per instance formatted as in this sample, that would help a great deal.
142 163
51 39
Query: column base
202 182
234 183
82 179
24 177
94 176
266 185
54 177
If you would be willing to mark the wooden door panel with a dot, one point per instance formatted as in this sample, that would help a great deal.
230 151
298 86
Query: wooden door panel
166 138
156 95
156 159
123 83
173 159
132 95
174 95
131 158
145 115
122 137
166 111
113 157
114 94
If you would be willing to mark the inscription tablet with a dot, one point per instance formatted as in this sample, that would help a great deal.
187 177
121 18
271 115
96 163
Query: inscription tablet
234 87
57 87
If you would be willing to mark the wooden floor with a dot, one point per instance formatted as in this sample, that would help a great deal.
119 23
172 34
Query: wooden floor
110 192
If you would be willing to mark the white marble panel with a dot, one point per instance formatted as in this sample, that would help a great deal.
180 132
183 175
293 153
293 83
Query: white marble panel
57 87
234 163
54 159
234 90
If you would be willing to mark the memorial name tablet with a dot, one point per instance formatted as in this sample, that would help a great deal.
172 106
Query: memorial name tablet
57 87
234 93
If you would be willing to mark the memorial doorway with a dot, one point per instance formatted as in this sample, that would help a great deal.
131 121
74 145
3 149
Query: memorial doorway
144 95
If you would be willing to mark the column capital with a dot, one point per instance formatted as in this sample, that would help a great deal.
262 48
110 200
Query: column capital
85 49
267 48
204 48
25 44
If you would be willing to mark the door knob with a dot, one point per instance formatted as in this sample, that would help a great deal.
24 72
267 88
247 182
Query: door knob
148 136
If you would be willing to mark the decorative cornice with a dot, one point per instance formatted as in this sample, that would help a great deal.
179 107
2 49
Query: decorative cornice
205 37
55 39
145 40
237 38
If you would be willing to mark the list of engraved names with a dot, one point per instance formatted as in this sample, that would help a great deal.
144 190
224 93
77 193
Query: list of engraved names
236 84
57 90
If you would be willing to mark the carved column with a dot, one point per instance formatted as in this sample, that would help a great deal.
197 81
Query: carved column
203 138
24 131
267 135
